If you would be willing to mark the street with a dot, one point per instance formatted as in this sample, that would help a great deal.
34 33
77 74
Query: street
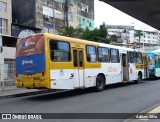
116 98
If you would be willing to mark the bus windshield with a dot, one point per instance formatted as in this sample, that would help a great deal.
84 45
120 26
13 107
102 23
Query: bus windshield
30 55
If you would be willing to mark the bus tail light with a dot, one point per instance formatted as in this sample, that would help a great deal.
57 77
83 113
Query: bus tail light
16 75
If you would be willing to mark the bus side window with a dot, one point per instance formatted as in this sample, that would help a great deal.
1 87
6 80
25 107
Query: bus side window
91 54
131 57
139 58
156 59
103 55
60 51
115 56
75 58
81 58
159 60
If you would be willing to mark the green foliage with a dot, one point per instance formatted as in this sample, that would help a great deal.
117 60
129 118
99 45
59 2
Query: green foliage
138 34
71 32
97 35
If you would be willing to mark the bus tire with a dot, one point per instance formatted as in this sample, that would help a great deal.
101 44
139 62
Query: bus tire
100 83
139 79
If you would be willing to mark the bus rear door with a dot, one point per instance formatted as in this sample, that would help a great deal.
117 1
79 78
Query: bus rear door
78 62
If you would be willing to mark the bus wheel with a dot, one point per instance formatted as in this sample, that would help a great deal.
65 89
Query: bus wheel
139 79
100 83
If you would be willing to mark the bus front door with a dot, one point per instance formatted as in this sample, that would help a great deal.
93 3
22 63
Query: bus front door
78 68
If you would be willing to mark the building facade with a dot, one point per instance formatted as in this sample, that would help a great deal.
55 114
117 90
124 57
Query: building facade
8 43
126 35
149 38
5 17
51 15
85 14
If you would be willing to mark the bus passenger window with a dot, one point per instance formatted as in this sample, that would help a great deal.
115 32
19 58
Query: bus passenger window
139 58
91 54
60 51
75 58
156 59
115 56
132 57
103 54
159 60
80 59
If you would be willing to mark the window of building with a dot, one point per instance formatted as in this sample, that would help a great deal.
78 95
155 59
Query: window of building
84 7
103 54
139 58
60 51
3 6
91 54
115 56
70 2
48 11
90 24
84 21
60 1
70 16
58 14
3 26
50 26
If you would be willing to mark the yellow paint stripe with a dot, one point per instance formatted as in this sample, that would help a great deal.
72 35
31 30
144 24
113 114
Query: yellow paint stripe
154 111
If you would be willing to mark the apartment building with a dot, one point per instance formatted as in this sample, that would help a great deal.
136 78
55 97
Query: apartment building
51 15
8 43
126 35
148 38
5 17
82 14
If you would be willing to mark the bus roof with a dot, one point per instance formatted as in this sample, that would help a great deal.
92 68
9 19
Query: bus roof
75 40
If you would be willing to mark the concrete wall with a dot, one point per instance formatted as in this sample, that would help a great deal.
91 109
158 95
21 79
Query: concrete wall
9 52
53 21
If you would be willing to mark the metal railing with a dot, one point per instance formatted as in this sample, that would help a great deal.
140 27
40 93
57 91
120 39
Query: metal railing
7 74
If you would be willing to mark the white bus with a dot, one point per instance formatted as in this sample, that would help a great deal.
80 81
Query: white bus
58 62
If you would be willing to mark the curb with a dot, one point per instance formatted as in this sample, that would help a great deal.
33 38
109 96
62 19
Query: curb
23 94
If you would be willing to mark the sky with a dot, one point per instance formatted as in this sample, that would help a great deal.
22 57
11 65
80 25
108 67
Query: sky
110 15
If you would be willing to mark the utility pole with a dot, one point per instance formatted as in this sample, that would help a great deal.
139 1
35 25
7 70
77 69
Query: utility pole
1 67
66 24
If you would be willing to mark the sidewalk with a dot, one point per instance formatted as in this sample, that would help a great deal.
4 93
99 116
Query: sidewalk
12 92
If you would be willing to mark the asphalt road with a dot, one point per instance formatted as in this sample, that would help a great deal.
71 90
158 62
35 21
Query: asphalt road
117 98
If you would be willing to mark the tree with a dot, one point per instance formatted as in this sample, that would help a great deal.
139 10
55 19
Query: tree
71 32
139 34
97 35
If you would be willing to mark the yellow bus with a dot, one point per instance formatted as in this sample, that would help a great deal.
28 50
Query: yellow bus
57 62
